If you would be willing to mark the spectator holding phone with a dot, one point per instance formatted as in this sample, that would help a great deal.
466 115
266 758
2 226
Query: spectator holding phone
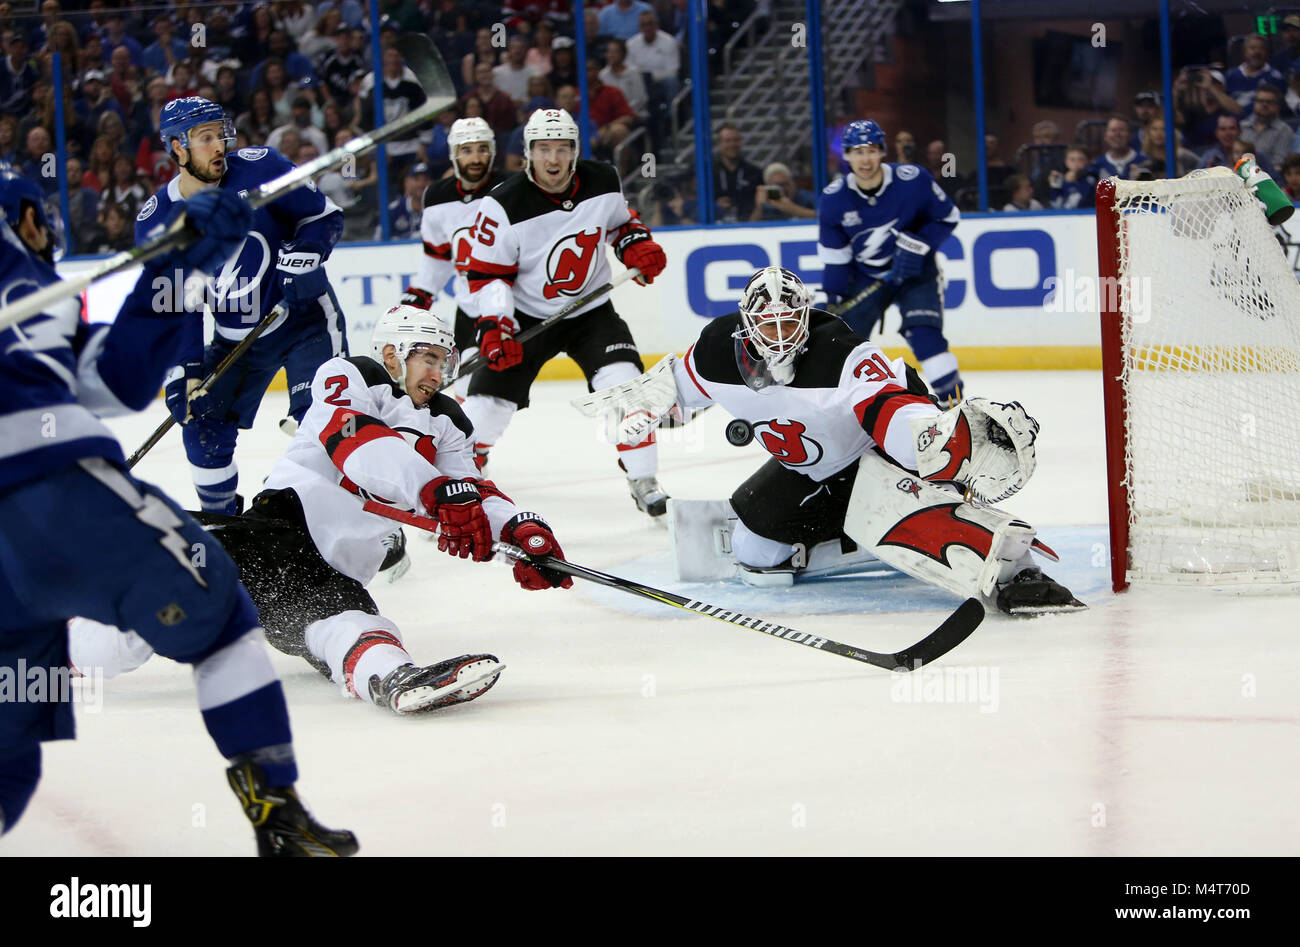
1199 100
777 198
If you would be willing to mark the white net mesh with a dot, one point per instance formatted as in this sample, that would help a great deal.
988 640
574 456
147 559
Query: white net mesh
1211 374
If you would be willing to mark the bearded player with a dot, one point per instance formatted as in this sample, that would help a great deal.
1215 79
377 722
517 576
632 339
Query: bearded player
450 207
282 260
864 465
539 243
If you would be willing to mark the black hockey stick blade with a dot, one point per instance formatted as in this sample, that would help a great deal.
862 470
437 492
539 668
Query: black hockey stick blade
955 629
422 58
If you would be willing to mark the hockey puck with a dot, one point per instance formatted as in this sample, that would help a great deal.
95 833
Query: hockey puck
739 433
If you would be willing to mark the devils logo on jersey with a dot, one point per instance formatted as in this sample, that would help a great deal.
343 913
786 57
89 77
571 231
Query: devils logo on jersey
932 530
462 245
788 442
570 263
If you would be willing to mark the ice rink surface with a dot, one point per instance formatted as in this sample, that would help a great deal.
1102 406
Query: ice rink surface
1159 722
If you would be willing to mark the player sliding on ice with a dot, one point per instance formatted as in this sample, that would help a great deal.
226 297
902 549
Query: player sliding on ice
129 559
539 243
864 465
376 429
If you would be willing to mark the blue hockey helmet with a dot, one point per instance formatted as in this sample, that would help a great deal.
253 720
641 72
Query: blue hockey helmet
862 132
16 192
179 116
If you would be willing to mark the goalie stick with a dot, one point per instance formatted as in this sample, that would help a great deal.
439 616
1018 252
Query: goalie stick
472 365
420 56
955 629
244 344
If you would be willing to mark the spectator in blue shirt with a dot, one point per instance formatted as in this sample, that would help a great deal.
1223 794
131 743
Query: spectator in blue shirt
167 49
1119 155
622 18
18 75
1284 59
296 64
404 213
115 35
1226 134
1242 81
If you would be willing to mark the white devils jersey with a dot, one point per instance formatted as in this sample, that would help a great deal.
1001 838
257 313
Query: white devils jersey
846 397
537 252
361 439
445 231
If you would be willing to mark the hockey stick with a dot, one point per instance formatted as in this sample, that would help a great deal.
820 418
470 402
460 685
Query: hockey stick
955 629
841 308
478 361
418 51
208 381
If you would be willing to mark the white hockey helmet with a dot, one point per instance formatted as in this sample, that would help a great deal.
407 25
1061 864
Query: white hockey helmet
550 125
777 299
465 131
407 328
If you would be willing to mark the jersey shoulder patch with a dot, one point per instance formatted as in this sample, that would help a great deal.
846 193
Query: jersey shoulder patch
149 207
441 405
373 373
252 154
715 352
596 177
441 191
906 172
830 342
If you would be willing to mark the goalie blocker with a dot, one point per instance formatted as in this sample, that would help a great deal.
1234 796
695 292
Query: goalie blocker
865 469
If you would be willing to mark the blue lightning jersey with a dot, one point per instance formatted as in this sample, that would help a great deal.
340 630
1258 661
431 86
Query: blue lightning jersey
59 375
856 239
303 221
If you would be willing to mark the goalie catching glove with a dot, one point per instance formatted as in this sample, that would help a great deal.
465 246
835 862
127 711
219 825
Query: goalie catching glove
635 408
985 446
463 527
530 533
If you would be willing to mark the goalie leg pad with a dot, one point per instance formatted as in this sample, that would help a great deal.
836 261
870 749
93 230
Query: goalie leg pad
931 534
700 533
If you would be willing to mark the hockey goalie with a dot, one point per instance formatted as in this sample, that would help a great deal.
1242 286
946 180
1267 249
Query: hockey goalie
864 466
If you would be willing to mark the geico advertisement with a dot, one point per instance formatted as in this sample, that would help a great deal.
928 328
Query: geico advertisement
1024 280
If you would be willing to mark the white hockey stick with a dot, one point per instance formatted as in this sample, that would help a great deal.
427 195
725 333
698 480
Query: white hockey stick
420 55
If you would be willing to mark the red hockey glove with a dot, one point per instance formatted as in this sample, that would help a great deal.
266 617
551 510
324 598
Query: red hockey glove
497 345
648 257
463 527
530 533
419 298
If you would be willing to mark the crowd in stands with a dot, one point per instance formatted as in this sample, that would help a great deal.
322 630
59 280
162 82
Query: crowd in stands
1220 114
297 76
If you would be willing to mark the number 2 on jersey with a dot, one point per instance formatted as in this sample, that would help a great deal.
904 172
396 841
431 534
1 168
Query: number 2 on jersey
338 383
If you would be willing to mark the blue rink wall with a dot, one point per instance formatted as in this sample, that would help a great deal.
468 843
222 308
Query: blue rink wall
1020 289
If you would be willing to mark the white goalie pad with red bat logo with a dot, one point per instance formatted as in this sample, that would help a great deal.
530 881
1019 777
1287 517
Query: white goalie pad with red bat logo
930 533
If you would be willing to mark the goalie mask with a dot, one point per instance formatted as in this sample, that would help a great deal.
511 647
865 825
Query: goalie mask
773 327
467 131
407 329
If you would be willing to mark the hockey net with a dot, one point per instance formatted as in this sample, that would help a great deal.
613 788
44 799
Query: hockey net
1201 367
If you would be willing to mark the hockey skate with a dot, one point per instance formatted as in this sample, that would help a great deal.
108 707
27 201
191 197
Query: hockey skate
410 689
284 828
1030 592
648 495
396 562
